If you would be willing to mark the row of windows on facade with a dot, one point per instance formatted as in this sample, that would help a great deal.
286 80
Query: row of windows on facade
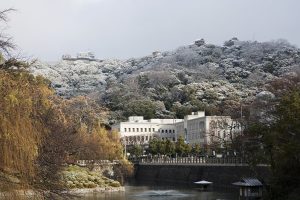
218 133
149 130
139 129
138 138
145 138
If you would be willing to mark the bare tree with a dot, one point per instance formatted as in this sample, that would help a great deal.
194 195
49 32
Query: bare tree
224 133
6 43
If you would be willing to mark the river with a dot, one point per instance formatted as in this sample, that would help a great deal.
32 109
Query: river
164 192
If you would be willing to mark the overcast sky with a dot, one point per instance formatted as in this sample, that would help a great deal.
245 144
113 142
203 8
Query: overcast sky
46 29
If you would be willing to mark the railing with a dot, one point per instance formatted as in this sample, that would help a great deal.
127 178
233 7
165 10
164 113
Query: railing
193 160
83 163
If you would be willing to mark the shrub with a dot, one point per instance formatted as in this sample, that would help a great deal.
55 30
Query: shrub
115 184
79 185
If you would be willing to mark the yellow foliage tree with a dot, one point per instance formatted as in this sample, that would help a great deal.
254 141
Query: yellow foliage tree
40 131
24 100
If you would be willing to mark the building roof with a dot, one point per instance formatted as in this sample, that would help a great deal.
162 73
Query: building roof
248 182
203 182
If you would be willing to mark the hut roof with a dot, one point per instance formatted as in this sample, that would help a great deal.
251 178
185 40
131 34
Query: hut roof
248 182
203 182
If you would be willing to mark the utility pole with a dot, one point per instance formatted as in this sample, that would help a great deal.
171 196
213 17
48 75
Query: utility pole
241 111
243 145
125 150
241 119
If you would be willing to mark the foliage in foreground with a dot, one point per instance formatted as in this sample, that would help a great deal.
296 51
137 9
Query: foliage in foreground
40 131
278 135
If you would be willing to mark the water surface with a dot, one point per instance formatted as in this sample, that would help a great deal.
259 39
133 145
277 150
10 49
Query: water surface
158 192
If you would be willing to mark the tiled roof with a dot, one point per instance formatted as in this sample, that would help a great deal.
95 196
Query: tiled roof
248 182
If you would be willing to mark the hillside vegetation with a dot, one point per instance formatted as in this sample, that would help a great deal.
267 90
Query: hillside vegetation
171 84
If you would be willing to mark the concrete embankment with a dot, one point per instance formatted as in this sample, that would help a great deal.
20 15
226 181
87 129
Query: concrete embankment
220 175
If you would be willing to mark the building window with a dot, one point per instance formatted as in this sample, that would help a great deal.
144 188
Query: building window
141 129
137 129
174 139
173 131
125 129
162 131
153 129
129 129
166 131
133 129
170 131
149 129
145 129
146 137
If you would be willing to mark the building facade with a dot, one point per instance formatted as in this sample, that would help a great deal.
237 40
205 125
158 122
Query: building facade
195 129
139 131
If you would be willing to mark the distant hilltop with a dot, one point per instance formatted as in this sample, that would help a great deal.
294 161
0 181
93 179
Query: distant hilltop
90 56
199 75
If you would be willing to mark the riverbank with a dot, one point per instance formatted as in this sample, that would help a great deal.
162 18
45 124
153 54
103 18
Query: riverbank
75 177
29 194
77 181
83 191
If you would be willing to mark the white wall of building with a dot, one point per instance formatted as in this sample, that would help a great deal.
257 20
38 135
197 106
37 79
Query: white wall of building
180 131
219 128
138 132
195 129
167 131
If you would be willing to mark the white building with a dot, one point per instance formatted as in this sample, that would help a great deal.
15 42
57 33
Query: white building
195 129
205 130
86 55
80 56
139 131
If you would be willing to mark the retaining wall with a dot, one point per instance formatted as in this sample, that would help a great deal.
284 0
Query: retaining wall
220 175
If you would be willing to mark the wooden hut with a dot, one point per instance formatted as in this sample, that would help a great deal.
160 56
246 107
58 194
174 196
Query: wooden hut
250 188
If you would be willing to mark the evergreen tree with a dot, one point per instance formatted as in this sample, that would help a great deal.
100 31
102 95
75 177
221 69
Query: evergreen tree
180 146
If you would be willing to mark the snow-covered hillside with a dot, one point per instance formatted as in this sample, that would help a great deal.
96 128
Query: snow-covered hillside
212 74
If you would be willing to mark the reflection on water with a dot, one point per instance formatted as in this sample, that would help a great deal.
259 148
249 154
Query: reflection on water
163 193
160 194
